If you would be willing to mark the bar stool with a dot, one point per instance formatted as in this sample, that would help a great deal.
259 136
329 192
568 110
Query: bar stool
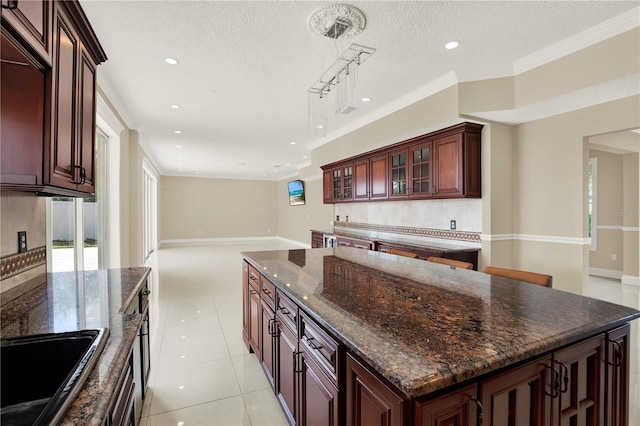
451 262
526 276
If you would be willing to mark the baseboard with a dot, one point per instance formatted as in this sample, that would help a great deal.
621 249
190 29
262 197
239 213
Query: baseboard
606 273
631 280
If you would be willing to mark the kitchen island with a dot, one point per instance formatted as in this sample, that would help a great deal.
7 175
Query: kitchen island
69 301
388 338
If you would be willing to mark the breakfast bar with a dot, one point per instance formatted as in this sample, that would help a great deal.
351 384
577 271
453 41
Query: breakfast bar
418 337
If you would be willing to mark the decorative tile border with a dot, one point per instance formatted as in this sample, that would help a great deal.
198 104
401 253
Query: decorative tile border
415 232
15 264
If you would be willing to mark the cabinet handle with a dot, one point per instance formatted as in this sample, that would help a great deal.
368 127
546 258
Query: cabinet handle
618 354
313 345
83 175
555 379
11 5
146 292
479 404
297 364
252 291
435 189
565 377
74 181
265 291
284 310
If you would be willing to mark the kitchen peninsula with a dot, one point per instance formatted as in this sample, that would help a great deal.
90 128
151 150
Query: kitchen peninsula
349 336
115 299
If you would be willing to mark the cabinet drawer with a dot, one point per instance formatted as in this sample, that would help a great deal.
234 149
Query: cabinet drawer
319 346
287 313
268 291
254 278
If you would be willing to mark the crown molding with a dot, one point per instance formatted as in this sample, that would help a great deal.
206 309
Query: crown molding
605 30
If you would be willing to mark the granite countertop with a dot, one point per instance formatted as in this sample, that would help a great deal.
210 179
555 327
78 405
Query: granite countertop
430 245
426 326
70 301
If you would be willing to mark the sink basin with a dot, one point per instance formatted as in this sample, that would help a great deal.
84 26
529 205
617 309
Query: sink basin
42 374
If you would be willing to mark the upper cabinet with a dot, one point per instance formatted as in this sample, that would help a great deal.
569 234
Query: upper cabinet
441 164
30 21
64 87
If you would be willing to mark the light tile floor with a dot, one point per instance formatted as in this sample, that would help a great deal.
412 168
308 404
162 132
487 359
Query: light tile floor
202 374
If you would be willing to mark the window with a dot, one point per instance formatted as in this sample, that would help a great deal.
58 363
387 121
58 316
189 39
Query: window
76 227
592 195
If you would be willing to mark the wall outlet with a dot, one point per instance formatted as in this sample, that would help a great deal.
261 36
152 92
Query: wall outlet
452 224
22 241
614 257
346 218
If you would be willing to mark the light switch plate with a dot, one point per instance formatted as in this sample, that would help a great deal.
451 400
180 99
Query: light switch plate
452 225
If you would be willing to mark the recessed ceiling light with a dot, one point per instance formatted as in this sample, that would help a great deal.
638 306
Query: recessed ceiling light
319 126
292 143
171 61
175 106
366 99
452 45
305 157
178 146
177 132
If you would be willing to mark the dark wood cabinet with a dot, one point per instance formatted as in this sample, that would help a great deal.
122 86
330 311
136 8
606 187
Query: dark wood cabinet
354 242
456 408
30 21
518 396
580 369
267 344
617 386
122 411
50 108
254 312
369 401
317 239
338 183
318 395
286 376
441 164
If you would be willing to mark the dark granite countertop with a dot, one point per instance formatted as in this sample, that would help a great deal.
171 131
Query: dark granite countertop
430 245
70 301
426 326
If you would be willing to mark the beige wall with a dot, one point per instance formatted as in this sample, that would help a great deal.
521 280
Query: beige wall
21 212
631 218
295 222
194 208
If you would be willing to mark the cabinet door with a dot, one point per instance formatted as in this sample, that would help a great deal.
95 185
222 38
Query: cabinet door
420 168
517 397
31 21
447 155
361 180
254 320
327 187
318 396
398 174
347 182
267 355
287 348
379 178
369 401
580 401
617 365
86 124
62 152
457 408
22 118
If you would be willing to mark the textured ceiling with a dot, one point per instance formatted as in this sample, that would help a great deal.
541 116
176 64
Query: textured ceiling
245 68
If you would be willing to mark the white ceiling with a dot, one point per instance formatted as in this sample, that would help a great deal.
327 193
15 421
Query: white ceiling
245 67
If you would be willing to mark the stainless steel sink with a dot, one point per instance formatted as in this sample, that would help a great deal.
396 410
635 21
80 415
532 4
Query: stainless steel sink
42 374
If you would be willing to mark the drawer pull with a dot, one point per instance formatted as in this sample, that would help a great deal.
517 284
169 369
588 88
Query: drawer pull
11 5
252 291
618 354
146 292
474 399
313 345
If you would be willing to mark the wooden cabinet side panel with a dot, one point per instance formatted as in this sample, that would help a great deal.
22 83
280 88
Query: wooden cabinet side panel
254 320
472 166
369 401
286 383
327 187
246 309
267 342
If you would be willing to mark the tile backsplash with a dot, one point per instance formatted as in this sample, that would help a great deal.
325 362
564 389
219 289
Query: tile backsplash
21 212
